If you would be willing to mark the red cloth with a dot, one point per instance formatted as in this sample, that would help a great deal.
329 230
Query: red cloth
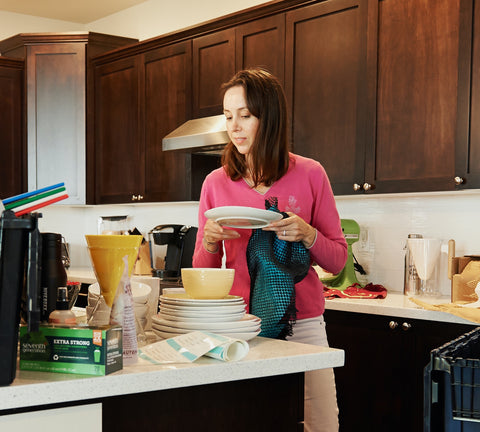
356 291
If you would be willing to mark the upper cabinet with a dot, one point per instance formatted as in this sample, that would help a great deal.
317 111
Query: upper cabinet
138 100
217 56
13 160
422 65
57 83
326 84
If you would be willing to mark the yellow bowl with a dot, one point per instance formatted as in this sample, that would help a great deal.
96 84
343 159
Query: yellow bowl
207 283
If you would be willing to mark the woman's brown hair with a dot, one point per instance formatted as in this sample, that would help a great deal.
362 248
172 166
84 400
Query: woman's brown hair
270 150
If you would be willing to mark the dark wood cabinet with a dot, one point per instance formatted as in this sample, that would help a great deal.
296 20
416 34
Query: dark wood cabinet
13 159
381 384
138 100
421 49
326 82
217 56
58 82
213 64
166 99
119 155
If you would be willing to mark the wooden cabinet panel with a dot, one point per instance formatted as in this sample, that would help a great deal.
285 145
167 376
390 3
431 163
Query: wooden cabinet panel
56 117
419 47
213 64
166 100
381 384
468 147
12 161
262 43
326 86
118 154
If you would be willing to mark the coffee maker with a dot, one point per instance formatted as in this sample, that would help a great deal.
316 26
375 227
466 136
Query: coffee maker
171 249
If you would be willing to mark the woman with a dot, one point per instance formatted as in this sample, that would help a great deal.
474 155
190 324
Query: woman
259 171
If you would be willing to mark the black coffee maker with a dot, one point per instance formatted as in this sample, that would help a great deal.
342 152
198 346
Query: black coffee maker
171 249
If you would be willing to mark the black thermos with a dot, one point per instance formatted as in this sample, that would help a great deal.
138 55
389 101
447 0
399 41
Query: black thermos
53 272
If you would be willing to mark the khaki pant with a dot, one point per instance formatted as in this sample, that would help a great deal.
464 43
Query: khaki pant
321 410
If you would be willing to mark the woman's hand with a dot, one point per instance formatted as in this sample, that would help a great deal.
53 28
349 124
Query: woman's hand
293 229
213 233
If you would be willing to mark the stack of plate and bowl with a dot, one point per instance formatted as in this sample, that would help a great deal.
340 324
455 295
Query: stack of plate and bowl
206 306
141 294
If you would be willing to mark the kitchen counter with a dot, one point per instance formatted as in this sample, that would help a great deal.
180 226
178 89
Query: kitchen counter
267 357
396 304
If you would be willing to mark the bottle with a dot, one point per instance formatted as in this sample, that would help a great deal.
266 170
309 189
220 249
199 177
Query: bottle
411 285
62 314
53 274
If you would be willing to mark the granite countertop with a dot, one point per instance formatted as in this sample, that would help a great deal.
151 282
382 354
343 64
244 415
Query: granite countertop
267 357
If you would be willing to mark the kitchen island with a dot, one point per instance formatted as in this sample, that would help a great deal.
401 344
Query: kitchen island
268 381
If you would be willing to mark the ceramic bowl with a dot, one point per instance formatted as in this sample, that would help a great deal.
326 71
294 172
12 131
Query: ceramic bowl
207 283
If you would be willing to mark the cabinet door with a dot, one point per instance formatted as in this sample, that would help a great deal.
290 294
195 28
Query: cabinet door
166 100
419 46
381 384
119 151
213 64
56 117
262 43
326 85
12 163
467 172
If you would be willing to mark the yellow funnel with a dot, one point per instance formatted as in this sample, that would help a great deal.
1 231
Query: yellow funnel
106 254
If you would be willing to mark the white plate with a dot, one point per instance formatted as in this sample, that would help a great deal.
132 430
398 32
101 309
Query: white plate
242 217
226 311
172 316
184 299
248 322
242 336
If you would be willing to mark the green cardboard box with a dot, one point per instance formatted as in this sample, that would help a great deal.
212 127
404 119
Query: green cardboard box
76 350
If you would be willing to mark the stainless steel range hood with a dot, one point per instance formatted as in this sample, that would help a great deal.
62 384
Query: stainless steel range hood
202 135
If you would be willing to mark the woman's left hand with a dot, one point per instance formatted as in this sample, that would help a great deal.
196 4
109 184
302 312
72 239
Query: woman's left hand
293 229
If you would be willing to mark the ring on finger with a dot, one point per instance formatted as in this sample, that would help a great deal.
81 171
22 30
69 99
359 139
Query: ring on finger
284 233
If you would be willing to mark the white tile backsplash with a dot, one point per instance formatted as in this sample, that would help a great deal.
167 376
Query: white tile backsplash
385 221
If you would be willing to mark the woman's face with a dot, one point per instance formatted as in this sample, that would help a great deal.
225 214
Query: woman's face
242 126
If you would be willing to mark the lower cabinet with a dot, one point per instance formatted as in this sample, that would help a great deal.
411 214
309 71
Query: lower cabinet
380 386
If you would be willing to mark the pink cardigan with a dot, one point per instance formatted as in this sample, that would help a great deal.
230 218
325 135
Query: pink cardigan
304 190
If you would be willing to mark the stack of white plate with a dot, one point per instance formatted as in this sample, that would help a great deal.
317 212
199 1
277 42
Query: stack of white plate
180 314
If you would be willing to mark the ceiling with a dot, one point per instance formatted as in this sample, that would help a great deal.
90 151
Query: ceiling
78 11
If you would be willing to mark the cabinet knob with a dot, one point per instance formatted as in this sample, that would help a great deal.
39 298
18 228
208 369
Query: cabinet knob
406 326
367 186
140 197
134 197
393 325
459 180
356 187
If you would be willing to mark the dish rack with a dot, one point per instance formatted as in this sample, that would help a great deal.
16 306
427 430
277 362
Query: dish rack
452 385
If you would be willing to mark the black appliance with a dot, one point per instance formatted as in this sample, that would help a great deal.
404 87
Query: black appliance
171 249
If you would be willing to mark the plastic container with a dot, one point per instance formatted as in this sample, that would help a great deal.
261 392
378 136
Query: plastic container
452 386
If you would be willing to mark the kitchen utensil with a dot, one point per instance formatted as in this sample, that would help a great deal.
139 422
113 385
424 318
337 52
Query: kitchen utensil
171 249
106 253
425 253
113 225
242 217
207 283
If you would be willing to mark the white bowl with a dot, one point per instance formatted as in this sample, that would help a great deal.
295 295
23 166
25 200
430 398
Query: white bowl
140 291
